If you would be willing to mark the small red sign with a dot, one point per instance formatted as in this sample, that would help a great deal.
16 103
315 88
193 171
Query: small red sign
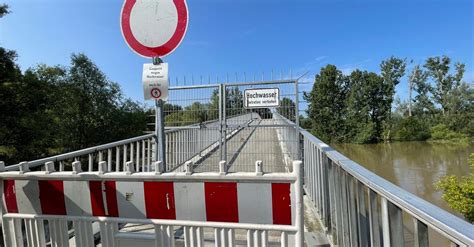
155 93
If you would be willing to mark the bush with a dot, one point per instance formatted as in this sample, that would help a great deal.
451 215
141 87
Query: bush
459 193
442 132
412 129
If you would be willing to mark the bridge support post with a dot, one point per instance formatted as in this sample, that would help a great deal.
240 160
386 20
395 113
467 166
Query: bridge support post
299 215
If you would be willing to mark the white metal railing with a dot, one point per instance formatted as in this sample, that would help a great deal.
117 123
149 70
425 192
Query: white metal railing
359 208
25 224
182 144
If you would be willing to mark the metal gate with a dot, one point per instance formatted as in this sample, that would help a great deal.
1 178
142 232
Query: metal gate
207 124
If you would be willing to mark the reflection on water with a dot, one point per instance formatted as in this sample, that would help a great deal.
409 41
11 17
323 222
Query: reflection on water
414 166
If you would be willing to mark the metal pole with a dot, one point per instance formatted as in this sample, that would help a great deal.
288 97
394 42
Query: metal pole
224 118
299 217
297 121
159 127
220 123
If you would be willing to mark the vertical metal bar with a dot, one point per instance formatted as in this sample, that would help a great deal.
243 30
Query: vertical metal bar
220 123
299 217
385 223
149 153
395 220
143 155
137 164
421 233
352 208
284 239
117 158
109 159
160 132
297 121
373 219
124 156
224 118
250 239
90 162
362 215
132 152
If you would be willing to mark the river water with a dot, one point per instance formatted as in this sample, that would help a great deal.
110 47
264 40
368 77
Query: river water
414 166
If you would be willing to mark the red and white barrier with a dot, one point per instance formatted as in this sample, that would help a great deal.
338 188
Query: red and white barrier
243 202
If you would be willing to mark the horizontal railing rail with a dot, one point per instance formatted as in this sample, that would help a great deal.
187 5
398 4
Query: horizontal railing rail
351 201
182 144
54 206
86 151
330 175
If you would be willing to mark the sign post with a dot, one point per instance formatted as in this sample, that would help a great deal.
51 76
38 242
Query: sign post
154 29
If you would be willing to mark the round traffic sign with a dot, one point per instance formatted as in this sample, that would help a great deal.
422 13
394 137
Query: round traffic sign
154 28
155 93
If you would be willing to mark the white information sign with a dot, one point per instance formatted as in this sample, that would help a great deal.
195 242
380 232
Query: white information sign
262 97
155 81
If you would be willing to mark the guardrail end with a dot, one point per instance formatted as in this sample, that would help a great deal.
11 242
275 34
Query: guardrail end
102 167
222 167
189 167
297 166
158 166
129 168
259 167
76 167
49 167
24 167
2 166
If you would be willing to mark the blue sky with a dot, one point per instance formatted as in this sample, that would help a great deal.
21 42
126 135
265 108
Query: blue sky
251 36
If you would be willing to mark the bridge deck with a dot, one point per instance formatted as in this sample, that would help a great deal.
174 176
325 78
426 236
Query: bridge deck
246 147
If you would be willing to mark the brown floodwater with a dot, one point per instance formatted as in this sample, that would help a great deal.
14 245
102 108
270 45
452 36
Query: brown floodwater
414 166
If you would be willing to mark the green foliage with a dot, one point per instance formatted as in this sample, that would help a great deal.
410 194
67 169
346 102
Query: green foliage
439 70
358 107
47 110
3 10
441 132
411 129
327 104
459 193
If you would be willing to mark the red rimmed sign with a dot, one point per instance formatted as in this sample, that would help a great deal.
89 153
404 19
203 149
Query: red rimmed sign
154 28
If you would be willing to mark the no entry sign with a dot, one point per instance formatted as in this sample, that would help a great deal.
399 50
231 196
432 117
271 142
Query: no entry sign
154 28
155 81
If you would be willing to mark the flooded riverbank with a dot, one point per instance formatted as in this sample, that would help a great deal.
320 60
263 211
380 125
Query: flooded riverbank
414 166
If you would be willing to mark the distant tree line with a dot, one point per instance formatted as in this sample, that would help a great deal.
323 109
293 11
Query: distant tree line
361 108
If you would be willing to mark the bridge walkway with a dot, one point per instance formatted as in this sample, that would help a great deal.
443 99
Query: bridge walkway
247 146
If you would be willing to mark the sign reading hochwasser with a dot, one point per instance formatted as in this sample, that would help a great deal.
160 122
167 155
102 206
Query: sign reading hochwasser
263 97
155 81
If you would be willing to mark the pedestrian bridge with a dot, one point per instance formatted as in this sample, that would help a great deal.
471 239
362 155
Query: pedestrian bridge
239 177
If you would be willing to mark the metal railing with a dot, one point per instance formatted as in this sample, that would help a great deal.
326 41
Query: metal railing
136 149
24 227
359 208
182 145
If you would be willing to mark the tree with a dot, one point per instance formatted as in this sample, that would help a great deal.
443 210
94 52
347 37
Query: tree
3 10
439 70
366 107
416 80
392 70
459 193
326 104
